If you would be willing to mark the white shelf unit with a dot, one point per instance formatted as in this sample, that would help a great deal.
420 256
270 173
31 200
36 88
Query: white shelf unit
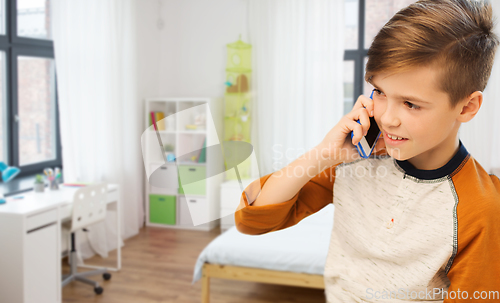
183 141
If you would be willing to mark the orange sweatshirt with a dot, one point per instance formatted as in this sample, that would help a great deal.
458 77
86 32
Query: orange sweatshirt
399 232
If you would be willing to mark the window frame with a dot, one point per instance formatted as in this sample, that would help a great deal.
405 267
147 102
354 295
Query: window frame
358 55
14 46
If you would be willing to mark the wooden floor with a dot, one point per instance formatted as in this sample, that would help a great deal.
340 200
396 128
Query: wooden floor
157 266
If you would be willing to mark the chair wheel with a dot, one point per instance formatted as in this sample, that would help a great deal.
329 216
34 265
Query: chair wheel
106 276
98 290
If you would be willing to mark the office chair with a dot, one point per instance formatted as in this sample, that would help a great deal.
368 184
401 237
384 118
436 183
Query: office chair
89 207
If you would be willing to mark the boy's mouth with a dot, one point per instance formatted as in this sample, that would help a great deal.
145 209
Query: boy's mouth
394 139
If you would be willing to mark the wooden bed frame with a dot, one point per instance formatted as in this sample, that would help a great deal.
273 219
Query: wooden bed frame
256 275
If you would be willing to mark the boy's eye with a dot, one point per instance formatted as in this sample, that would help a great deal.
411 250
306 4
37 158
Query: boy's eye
411 105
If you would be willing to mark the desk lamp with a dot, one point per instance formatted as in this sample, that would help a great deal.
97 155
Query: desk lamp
8 173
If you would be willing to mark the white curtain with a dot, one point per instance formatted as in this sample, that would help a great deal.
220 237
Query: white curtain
99 108
481 135
298 50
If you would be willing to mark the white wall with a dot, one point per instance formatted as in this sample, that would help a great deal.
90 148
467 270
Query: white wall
187 57
148 51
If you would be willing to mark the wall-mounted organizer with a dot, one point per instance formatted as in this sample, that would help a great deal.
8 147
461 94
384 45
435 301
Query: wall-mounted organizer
238 101
182 132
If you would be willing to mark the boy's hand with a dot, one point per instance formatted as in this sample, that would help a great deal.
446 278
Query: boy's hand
338 145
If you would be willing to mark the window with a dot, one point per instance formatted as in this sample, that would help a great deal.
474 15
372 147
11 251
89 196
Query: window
29 128
363 20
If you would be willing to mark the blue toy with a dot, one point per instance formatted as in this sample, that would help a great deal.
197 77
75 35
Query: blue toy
170 158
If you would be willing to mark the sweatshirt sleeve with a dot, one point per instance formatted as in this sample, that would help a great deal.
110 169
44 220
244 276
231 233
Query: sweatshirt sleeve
256 220
475 269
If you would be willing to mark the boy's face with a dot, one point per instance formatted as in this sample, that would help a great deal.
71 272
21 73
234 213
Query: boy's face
410 105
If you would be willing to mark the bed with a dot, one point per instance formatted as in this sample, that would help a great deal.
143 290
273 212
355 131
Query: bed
294 256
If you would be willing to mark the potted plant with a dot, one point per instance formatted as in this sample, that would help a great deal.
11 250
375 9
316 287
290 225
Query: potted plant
169 147
39 185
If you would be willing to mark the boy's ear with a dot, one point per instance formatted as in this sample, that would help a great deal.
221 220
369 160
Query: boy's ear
470 106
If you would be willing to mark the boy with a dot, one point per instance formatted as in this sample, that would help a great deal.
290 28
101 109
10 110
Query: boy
419 220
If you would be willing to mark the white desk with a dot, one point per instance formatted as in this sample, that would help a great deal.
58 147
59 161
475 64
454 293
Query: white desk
30 244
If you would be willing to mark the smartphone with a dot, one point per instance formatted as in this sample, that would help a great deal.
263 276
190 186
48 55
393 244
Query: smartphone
367 144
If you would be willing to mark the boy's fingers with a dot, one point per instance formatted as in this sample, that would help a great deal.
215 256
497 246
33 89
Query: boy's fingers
364 118
363 102
357 129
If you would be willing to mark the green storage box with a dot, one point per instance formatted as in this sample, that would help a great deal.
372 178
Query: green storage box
162 209
192 179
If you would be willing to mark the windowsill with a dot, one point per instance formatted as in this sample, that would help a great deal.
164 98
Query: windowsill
20 185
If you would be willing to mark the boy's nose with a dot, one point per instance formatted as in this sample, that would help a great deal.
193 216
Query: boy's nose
390 118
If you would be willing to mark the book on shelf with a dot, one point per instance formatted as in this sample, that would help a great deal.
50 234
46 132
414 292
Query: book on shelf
157 117
202 157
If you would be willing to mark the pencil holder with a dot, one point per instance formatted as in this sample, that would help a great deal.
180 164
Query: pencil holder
53 184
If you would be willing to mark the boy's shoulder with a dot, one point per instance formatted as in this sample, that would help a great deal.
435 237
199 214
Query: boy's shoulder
478 192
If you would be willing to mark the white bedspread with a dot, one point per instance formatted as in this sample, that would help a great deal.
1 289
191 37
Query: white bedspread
301 248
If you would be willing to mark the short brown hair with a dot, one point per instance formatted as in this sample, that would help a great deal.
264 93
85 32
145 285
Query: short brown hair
455 35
